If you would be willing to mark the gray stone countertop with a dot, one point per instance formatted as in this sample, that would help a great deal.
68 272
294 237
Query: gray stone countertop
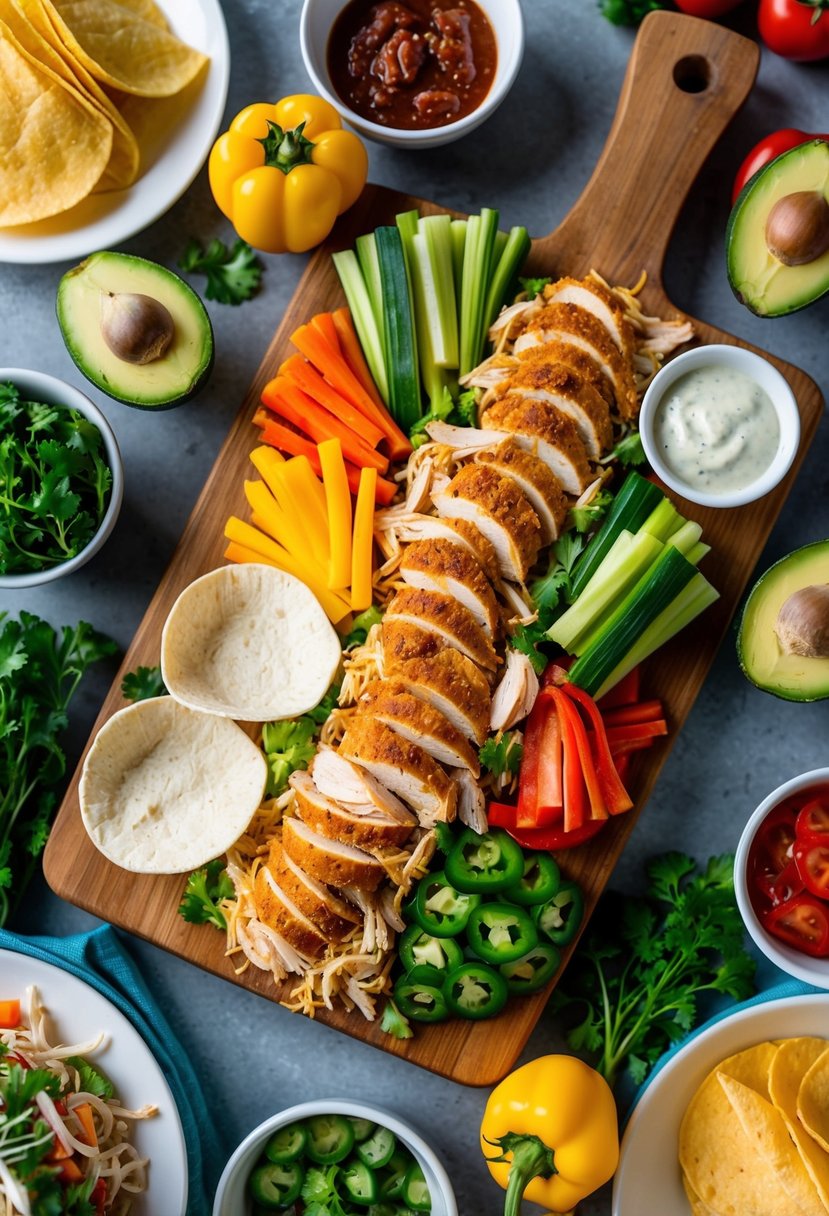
530 160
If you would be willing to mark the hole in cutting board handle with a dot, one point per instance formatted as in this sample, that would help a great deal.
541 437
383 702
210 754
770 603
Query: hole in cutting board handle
692 74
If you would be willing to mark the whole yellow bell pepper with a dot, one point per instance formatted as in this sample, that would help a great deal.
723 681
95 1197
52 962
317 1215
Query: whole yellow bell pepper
555 1123
282 173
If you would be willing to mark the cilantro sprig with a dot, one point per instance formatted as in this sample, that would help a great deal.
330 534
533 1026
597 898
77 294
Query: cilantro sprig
647 961
143 683
203 895
54 483
233 275
501 757
550 594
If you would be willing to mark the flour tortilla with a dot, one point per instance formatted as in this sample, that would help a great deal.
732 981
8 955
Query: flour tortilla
165 790
249 642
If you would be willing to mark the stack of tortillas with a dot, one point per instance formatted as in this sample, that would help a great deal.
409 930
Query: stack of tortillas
172 782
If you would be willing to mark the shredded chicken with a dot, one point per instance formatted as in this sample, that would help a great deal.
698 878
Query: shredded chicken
516 693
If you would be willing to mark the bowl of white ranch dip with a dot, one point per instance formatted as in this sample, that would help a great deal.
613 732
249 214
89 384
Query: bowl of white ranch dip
720 425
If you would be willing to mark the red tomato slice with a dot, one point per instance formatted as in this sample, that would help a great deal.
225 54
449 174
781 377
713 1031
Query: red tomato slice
777 888
775 838
801 922
813 820
812 860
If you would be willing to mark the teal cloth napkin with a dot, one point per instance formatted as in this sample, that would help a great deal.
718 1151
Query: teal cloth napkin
100 959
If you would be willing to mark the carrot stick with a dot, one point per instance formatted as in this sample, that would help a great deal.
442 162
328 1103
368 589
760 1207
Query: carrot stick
300 372
629 715
9 1014
352 352
362 543
282 437
323 323
87 1122
296 407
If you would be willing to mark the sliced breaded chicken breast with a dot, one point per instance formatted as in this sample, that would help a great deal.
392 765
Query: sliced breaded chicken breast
595 298
497 507
571 323
460 531
331 861
516 692
541 489
335 777
564 388
588 366
441 614
402 766
549 434
275 908
451 683
334 917
390 702
449 567
336 822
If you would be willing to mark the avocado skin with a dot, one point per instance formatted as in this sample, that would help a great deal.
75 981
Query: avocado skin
813 560
184 293
788 162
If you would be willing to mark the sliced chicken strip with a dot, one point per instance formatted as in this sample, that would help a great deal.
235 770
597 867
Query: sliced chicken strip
541 489
570 323
515 695
330 861
536 376
334 917
451 683
335 777
336 822
460 531
579 360
595 298
471 802
441 614
390 702
441 565
402 766
499 509
545 431
275 908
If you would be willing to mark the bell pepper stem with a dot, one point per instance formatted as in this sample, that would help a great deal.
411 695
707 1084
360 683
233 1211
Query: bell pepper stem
531 1158
286 149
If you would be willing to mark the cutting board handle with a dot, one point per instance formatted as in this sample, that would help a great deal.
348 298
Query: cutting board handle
685 81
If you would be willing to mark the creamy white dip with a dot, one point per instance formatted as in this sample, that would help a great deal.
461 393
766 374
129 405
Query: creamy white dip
716 429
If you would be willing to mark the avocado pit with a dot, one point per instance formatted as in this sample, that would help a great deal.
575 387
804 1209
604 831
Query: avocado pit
797 228
802 625
135 327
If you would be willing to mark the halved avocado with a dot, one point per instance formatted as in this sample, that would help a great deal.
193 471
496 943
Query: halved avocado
764 657
762 281
164 381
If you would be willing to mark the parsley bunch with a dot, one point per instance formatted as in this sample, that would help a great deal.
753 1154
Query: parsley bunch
54 483
39 673
646 963
233 275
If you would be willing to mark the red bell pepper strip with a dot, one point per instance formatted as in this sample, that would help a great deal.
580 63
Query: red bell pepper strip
616 798
629 715
626 692
632 734
540 779
617 750
574 735
575 792
503 815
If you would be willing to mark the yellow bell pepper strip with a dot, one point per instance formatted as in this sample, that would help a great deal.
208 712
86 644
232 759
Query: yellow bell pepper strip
283 173
554 1121
248 544
338 506
362 543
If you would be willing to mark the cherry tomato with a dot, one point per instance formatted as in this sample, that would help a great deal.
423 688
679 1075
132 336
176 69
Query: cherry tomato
768 149
710 9
812 860
813 820
801 922
774 840
795 29
777 887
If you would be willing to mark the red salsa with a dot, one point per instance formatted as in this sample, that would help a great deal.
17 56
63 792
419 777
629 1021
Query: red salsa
412 65
788 871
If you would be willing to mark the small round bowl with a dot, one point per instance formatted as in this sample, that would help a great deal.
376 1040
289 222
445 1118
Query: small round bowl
37 386
504 16
763 373
801 966
232 1195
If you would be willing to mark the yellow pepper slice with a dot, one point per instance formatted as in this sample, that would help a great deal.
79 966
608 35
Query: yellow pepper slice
338 506
362 543
282 173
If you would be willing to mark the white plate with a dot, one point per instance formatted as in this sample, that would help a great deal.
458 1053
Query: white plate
77 1013
103 220
648 1179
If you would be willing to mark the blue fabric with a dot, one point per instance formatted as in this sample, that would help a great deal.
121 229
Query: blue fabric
100 959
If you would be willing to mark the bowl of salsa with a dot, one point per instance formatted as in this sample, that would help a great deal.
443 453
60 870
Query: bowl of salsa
413 73
781 877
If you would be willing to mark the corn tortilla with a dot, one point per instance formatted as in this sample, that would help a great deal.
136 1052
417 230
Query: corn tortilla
813 1100
790 1067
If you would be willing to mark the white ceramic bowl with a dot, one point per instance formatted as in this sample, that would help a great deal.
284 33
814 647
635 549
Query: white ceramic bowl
232 1197
794 962
37 386
769 379
506 19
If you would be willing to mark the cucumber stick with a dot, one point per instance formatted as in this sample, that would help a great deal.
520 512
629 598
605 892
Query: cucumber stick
654 592
481 231
516 246
365 321
635 501
399 344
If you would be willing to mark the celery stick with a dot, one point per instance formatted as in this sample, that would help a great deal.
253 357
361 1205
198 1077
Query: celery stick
632 505
371 337
512 257
433 377
477 268
663 521
458 234
626 563
686 537
697 553
436 231
694 598
498 247
367 257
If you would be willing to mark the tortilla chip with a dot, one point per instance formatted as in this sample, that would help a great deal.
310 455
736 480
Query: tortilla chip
766 1130
791 1064
813 1101
122 50
54 144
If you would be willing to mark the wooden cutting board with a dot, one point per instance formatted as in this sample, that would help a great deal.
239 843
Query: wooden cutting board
686 80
